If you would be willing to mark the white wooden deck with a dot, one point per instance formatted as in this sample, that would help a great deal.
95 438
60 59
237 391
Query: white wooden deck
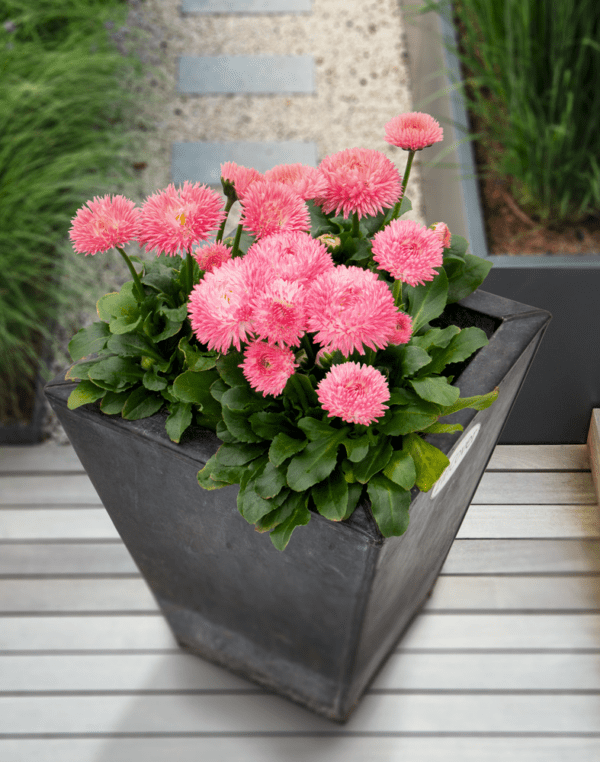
503 663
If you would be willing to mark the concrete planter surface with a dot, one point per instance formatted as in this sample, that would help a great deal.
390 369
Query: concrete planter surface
315 622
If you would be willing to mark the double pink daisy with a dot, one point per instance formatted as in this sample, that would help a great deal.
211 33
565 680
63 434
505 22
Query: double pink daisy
279 315
354 392
349 308
359 180
403 330
307 181
413 131
220 306
408 251
104 223
267 367
211 256
290 256
271 207
173 220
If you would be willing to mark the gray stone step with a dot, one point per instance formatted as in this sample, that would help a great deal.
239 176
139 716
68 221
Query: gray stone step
246 6
201 162
204 75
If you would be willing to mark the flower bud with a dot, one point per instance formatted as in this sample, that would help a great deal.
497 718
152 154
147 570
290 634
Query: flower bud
444 233
147 363
331 241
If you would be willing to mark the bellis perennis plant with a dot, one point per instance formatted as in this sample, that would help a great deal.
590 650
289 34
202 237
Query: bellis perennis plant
307 342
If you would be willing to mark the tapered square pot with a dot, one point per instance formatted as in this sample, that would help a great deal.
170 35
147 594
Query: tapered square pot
316 621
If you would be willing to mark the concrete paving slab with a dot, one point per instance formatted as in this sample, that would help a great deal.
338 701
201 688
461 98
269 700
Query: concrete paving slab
206 75
246 6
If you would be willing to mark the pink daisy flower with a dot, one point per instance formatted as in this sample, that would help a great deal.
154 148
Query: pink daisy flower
349 307
279 314
240 177
403 330
290 256
267 367
444 233
408 251
271 207
212 256
220 305
359 180
307 181
173 220
105 222
413 131
354 392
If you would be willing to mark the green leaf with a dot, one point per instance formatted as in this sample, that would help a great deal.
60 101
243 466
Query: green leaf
268 425
314 463
204 476
251 505
116 373
443 428
458 245
243 399
271 481
240 453
413 358
479 402
300 392
153 381
224 434
429 462
239 425
80 371
317 429
133 345
229 370
401 469
427 302
319 222
355 491
227 474
465 277
89 340
112 402
461 346
84 393
170 329
435 389
174 314
218 389
121 304
125 324
436 337
357 448
160 277
376 459
141 404
278 515
331 496
194 359
180 417
410 418
405 206
283 447
390 505
194 387
280 536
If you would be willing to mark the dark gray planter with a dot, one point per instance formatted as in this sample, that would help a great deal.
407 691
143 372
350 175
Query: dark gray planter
315 622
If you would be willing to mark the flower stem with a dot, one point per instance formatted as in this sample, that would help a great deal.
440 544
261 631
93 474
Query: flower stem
306 346
397 294
228 205
141 294
189 271
411 156
236 242
355 225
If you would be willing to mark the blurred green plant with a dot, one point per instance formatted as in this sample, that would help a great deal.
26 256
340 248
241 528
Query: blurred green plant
533 78
67 101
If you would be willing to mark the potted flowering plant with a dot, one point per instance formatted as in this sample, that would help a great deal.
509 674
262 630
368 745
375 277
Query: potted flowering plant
305 367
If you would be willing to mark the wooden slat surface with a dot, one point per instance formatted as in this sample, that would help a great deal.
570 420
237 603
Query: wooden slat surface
503 662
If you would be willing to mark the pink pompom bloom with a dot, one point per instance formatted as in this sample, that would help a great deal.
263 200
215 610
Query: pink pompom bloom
220 306
408 251
104 223
354 392
307 181
173 220
350 308
240 177
444 233
403 330
290 256
211 256
267 367
270 207
359 180
279 315
413 131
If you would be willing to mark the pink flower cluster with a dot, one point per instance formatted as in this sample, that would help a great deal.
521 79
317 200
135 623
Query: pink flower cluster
172 220
285 287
